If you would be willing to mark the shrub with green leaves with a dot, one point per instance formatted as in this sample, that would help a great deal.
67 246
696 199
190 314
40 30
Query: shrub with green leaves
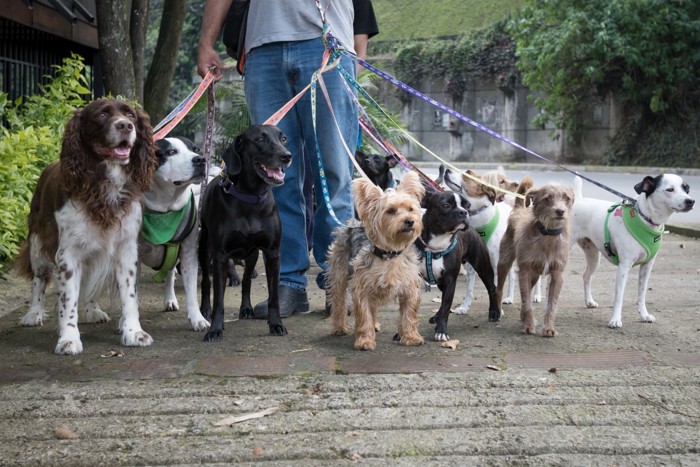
31 141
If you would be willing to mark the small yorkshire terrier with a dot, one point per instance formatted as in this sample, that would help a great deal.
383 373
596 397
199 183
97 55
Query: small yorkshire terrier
378 261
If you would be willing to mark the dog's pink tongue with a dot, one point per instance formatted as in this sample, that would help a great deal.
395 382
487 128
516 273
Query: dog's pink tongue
122 151
277 174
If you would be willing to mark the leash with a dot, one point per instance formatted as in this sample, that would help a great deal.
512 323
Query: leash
164 127
481 127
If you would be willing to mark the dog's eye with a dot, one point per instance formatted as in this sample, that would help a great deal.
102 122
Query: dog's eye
131 114
172 152
283 140
260 139
445 206
670 190
686 188
102 115
391 211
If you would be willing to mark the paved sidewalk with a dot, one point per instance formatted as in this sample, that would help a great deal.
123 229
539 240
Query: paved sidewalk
590 396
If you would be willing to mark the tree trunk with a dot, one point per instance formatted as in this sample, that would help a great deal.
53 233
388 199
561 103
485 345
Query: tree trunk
139 25
160 74
115 48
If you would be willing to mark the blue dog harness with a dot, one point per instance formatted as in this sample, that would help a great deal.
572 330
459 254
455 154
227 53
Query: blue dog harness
430 255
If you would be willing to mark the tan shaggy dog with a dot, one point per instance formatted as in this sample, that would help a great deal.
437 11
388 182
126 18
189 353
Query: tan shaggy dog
537 238
378 261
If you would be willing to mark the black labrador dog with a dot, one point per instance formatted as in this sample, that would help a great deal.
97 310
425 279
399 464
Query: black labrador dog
239 219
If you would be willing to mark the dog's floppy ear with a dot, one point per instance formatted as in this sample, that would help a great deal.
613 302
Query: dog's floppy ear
367 196
646 186
412 186
232 156
530 196
391 161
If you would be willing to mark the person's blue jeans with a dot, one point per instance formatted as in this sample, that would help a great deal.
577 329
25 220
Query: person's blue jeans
274 74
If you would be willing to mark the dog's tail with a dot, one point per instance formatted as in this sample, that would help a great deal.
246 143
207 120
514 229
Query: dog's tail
22 263
525 184
578 187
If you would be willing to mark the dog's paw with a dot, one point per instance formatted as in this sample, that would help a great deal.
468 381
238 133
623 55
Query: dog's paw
199 324
441 337
365 344
495 315
339 332
69 347
33 318
460 310
615 324
529 329
537 298
278 330
96 316
412 340
591 303
246 313
549 332
136 339
648 318
172 305
507 301
214 335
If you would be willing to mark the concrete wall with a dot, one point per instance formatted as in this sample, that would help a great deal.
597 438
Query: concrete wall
507 112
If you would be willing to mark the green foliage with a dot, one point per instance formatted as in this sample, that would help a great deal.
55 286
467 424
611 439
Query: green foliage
31 141
409 19
645 52
483 54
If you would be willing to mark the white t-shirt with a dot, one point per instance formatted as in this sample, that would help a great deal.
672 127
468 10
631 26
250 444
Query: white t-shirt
298 20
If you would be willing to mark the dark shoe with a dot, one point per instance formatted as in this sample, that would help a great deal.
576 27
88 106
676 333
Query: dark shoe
291 301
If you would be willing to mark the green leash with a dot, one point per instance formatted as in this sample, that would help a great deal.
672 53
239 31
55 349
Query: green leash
159 228
648 237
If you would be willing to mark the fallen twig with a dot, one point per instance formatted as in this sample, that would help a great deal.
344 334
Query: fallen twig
668 409
245 417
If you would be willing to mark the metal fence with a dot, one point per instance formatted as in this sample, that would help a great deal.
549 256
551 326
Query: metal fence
27 57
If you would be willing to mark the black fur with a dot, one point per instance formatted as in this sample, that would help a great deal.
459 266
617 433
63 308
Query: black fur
233 228
377 168
445 214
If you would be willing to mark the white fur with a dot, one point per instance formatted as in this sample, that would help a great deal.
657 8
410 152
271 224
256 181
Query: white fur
94 256
587 228
164 196
493 246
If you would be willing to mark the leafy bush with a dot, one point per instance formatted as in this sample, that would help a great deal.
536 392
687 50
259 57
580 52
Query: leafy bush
31 141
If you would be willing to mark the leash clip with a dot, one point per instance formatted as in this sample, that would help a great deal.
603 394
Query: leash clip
608 249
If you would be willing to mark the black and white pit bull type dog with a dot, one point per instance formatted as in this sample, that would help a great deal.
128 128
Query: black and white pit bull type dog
240 219
169 231
447 243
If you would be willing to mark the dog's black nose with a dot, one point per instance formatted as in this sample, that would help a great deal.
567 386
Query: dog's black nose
199 160
286 158
690 203
559 212
408 222
462 213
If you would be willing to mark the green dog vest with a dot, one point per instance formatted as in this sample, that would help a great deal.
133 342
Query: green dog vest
648 237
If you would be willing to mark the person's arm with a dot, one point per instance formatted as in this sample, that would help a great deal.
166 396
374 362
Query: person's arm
214 16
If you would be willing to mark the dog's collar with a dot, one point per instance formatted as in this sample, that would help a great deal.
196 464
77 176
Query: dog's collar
477 211
545 231
385 255
228 187
646 218
431 255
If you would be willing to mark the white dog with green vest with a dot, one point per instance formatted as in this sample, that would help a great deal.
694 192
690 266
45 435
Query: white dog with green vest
170 227
628 234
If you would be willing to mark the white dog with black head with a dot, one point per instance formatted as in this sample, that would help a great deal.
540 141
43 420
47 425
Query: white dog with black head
627 234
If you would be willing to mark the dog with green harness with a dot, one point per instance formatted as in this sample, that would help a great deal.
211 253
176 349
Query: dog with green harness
627 234
170 229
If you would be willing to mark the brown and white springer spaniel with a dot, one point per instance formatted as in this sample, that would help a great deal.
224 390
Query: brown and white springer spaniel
85 218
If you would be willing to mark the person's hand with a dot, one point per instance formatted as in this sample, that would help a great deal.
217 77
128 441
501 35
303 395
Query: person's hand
208 59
